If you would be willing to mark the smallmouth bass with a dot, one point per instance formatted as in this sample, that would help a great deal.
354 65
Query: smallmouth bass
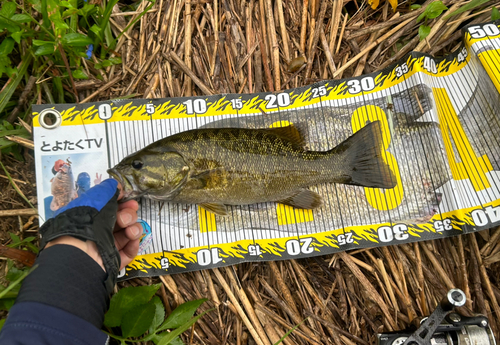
214 167
62 187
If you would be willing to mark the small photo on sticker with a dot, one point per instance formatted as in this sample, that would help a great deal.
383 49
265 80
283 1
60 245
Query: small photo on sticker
67 176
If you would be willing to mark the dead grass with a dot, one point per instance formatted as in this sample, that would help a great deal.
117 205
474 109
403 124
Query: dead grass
225 46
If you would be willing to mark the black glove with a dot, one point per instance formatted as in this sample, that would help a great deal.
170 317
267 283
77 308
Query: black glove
92 217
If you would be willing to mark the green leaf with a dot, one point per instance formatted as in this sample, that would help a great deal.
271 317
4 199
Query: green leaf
157 338
159 314
467 7
60 24
21 18
8 126
79 74
9 25
84 11
32 247
8 9
18 242
154 338
66 4
420 17
13 236
495 14
415 7
41 43
14 274
76 40
95 29
115 60
176 341
6 46
423 31
14 151
137 320
46 49
289 331
107 13
433 10
7 303
106 63
125 299
181 314
2 323
45 14
175 333
70 12
12 285
17 36
37 5
7 92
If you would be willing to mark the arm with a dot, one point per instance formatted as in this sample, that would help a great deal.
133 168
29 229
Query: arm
65 298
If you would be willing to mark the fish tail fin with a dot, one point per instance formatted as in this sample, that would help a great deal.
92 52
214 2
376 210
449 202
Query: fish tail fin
363 159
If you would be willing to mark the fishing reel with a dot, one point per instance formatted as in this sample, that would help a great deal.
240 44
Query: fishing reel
444 327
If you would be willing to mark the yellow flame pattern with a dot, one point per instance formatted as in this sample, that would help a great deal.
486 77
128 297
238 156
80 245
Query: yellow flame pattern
323 242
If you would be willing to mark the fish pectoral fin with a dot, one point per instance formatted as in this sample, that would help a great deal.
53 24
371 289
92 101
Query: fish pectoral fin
217 208
201 180
304 198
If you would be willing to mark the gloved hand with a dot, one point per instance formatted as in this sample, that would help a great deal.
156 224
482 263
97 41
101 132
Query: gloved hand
92 218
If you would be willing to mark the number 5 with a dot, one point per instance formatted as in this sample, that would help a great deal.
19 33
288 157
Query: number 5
150 109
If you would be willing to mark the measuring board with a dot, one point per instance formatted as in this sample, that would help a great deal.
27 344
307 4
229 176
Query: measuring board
441 132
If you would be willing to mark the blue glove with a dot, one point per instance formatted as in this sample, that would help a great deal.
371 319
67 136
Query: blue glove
92 217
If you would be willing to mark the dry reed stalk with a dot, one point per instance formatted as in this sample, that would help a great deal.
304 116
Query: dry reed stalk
238 308
17 212
369 288
371 46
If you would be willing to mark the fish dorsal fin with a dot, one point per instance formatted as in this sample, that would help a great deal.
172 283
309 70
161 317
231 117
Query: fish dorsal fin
214 207
291 133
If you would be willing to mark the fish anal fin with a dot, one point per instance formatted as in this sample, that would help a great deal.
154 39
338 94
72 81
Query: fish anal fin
214 207
291 133
304 199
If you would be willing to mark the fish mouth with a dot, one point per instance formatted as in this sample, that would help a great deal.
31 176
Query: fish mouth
129 187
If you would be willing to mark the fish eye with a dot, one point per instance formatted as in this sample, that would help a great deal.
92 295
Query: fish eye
137 164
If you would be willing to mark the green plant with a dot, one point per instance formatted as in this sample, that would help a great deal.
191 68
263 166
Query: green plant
467 7
7 146
495 14
141 316
64 36
433 10
9 293
27 242
58 42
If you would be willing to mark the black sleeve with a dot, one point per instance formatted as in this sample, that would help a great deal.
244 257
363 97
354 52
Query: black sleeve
68 279
63 301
